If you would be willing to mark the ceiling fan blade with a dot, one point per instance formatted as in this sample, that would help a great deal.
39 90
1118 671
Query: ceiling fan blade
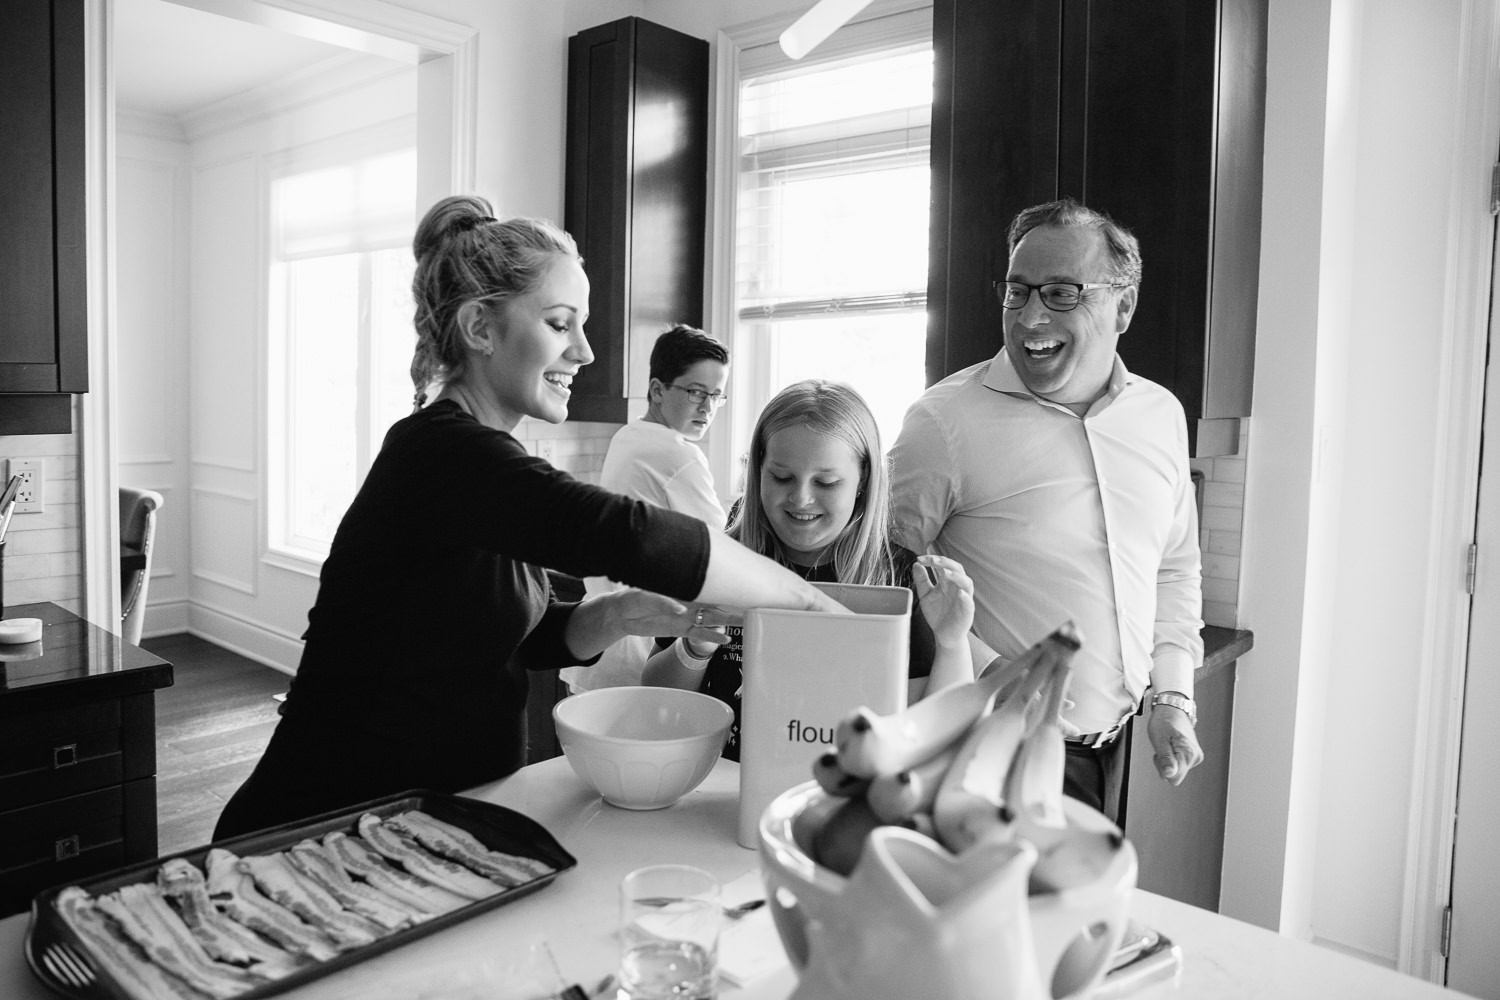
823 19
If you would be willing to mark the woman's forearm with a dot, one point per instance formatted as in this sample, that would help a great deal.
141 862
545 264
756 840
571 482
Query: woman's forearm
740 578
736 578
592 628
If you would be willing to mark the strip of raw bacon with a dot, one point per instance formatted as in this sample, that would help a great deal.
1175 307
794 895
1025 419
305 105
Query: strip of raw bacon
173 949
358 858
220 936
439 871
314 861
234 893
140 977
462 846
276 878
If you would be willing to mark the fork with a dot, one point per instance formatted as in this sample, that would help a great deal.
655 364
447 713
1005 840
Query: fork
66 964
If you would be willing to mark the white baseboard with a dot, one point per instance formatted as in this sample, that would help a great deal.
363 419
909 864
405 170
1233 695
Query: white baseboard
249 639
167 618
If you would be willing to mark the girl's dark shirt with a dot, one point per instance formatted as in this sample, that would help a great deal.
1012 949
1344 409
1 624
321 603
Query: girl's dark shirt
434 603
723 676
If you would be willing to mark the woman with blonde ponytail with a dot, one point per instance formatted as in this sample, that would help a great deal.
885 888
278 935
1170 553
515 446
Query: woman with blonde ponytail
433 602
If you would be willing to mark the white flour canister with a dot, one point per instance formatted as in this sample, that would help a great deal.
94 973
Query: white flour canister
803 672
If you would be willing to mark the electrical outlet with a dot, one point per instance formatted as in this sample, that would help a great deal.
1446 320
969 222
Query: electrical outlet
546 450
29 495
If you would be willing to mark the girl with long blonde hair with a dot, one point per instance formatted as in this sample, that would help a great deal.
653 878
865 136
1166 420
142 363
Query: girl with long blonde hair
817 502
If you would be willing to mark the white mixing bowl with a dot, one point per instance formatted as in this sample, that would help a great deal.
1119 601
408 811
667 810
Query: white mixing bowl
642 747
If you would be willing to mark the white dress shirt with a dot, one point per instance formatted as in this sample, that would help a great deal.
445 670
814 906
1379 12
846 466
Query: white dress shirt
652 462
1060 518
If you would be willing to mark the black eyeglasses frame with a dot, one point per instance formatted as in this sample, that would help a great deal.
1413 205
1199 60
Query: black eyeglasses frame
1001 288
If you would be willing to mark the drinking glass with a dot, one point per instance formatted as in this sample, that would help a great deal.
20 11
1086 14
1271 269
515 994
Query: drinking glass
669 932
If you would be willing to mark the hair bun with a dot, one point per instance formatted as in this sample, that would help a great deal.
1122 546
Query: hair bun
469 224
448 219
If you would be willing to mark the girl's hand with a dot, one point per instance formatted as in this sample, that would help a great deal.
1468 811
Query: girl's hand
947 596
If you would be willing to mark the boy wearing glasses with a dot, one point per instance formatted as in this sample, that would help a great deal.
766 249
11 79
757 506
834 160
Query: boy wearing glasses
656 458
1060 481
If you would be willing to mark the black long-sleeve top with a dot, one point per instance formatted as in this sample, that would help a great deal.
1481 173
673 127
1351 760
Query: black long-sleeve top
432 605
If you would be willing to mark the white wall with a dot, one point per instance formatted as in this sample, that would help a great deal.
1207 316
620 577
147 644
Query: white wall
1399 241
152 183
1361 119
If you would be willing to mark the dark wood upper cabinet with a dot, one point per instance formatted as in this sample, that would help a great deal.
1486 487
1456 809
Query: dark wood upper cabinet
636 197
1151 111
43 319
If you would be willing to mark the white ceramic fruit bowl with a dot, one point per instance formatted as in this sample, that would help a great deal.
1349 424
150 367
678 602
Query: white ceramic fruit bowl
911 919
642 747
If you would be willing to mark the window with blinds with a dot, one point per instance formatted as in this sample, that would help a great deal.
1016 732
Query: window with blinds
340 343
831 220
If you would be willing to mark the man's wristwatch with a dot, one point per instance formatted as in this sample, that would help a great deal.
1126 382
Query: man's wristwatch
1177 700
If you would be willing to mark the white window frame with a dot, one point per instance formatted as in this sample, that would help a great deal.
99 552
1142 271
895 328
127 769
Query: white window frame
749 49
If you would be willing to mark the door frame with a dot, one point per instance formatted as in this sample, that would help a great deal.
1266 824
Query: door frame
446 56
1439 708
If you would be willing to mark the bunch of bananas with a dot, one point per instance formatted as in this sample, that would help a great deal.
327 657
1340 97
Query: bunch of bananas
969 763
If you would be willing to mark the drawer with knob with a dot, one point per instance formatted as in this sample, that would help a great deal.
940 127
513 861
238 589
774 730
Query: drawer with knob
75 748
71 838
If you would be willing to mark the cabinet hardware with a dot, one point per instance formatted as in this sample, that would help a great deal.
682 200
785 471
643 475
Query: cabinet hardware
65 755
66 848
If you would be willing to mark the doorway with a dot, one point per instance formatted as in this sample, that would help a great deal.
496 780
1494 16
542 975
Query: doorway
211 465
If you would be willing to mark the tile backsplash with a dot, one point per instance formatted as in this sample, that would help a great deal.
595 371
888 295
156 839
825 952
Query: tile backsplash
43 550
577 448
1219 531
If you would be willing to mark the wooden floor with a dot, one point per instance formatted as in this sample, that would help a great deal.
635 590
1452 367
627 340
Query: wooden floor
211 726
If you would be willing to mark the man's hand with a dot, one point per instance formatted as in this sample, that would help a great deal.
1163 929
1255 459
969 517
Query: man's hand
1174 744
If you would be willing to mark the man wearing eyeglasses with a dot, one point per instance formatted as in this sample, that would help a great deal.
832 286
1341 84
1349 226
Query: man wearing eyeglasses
1061 482
656 458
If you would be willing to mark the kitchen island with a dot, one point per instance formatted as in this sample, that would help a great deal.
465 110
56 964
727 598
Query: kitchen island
576 916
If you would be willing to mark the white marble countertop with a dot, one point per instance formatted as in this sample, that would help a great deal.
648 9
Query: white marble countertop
1223 959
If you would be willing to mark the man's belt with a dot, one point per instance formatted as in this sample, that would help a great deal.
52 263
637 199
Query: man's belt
1098 741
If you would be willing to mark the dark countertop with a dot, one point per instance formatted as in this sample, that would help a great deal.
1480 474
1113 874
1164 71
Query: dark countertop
1221 647
74 658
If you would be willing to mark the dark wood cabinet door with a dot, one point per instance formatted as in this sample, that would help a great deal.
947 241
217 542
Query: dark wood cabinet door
1150 111
635 195
1148 160
996 116
597 199
43 321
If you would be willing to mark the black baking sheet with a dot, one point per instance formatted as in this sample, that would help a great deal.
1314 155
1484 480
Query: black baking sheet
497 827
